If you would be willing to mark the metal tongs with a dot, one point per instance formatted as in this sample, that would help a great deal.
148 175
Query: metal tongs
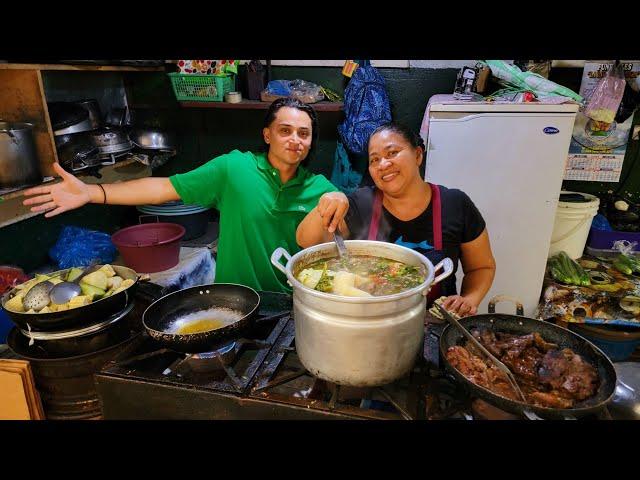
501 366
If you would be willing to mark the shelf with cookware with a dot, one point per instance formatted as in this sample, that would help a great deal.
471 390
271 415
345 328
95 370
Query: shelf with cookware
12 210
44 112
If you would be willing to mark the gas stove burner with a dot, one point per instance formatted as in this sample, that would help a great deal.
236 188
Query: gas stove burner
220 352
204 362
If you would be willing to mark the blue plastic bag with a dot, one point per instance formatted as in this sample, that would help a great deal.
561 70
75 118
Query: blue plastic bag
77 247
279 87
600 222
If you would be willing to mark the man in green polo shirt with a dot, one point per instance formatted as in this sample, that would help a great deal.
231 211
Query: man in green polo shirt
258 213
262 197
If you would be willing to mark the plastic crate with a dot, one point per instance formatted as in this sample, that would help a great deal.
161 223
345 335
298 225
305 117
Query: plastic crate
604 239
200 87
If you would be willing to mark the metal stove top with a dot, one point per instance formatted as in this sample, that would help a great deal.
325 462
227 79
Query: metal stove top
261 377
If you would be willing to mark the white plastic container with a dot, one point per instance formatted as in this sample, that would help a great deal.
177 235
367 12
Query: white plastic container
572 224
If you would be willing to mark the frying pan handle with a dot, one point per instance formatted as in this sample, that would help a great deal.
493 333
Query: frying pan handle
499 298
530 415
277 255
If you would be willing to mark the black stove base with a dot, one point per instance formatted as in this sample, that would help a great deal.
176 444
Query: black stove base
121 401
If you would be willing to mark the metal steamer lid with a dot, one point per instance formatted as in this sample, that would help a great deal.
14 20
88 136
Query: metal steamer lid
65 334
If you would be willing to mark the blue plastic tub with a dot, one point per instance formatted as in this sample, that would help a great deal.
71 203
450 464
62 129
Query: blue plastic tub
604 239
615 350
616 343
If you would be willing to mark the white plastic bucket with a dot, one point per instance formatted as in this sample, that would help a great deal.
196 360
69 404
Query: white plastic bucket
572 224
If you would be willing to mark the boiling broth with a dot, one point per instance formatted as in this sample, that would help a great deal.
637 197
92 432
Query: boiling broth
362 275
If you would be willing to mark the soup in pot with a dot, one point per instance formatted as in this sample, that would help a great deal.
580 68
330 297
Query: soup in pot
361 276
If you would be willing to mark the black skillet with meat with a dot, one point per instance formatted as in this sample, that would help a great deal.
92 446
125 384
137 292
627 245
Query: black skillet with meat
562 374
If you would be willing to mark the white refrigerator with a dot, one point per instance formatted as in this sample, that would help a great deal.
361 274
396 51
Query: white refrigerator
510 159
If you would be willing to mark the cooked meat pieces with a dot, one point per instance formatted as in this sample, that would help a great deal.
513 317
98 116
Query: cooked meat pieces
549 377
479 372
542 345
550 399
524 364
567 372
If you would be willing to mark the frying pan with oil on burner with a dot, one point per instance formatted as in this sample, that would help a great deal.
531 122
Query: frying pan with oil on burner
230 308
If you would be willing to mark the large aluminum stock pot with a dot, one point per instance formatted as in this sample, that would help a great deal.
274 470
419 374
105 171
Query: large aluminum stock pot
359 341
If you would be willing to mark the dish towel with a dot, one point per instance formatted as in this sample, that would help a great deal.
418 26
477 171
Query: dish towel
195 267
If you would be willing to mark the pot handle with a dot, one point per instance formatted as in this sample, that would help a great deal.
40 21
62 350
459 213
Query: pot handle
445 263
499 298
277 254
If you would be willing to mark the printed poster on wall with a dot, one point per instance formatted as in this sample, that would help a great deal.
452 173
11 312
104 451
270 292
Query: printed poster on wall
594 155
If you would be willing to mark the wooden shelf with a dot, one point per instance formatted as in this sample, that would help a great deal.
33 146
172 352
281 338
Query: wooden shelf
12 210
258 105
86 68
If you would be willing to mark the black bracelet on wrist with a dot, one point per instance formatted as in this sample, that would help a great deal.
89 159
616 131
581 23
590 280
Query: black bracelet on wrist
104 193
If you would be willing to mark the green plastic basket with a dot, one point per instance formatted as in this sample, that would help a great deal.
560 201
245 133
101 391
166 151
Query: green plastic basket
201 88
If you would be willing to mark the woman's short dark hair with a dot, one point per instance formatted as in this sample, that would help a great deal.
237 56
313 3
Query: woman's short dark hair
294 103
405 132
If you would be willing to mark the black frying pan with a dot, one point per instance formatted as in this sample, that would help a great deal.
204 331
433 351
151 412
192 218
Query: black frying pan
519 325
77 317
166 315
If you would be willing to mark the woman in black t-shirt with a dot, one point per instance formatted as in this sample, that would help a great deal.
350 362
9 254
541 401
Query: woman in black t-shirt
434 220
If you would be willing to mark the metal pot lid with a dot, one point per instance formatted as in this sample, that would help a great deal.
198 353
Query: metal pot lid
110 136
81 331
116 148
66 114
84 126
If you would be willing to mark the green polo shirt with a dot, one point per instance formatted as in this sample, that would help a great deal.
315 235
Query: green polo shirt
257 213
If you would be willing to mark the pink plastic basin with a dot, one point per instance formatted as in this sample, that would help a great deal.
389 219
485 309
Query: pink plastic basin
150 247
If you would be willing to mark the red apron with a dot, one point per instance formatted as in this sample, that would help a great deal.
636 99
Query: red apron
434 293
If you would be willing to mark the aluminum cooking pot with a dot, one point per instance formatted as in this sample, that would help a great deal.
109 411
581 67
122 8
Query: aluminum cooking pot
19 164
359 341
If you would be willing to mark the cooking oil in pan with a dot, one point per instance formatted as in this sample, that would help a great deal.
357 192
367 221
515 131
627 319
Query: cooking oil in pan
205 320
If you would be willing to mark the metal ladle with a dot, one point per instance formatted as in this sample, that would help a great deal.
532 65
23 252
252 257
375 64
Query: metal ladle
501 366
65 291
38 296
342 249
